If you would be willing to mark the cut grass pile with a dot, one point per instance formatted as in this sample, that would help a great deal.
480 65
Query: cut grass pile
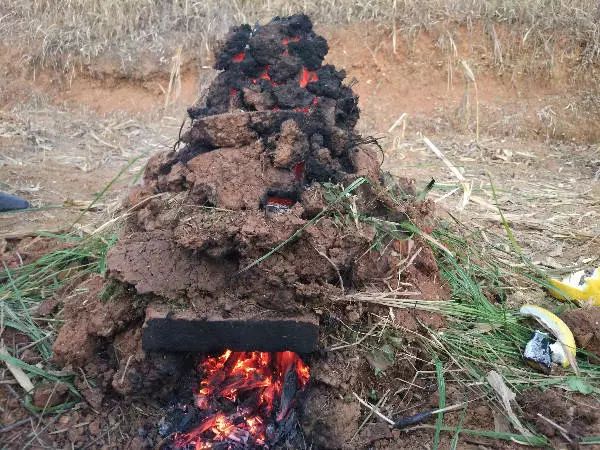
23 289
483 335
484 332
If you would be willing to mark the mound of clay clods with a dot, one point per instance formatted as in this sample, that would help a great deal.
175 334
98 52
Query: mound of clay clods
269 151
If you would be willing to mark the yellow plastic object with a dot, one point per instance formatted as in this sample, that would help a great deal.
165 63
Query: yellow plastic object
582 287
563 351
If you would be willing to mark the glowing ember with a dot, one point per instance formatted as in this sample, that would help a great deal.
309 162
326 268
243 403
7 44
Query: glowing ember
306 109
299 171
307 76
287 40
282 201
244 398
264 75
238 57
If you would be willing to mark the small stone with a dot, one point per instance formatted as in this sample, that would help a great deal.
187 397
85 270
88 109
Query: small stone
374 432
64 420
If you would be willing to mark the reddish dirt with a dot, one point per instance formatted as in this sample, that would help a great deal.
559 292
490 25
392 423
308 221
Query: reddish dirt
22 251
104 88
585 325
579 419
113 92
389 85
327 419
88 319
419 79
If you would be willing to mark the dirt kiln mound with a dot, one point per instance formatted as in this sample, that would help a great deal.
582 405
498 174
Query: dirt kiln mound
264 162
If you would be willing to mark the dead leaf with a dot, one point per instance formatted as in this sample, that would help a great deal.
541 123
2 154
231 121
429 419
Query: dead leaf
21 377
381 359
506 397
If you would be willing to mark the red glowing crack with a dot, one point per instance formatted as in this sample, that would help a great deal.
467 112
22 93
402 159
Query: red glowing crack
238 57
287 40
307 76
264 75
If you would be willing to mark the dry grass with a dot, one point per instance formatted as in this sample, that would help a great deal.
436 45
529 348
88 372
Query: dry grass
68 34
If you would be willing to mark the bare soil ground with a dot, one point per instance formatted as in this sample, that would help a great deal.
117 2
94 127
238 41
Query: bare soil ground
63 139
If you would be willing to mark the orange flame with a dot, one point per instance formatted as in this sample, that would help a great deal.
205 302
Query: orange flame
255 378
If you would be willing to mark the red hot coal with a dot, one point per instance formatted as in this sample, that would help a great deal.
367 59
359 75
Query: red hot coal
246 400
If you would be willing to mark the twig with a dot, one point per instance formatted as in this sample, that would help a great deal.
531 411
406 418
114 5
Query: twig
364 422
339 347
125 369
334 266
374 409
397 122
420 417
14 425
562 430
467 188
471 77
103 142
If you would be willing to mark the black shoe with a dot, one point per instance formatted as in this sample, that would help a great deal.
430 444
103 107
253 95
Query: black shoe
9 202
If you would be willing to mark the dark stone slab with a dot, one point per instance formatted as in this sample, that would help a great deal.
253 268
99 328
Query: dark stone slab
186 332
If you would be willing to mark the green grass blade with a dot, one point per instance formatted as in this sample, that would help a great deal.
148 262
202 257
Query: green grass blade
439 422
105 189
461 420
35 370
535 440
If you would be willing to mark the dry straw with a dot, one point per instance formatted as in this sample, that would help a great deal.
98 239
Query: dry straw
68 34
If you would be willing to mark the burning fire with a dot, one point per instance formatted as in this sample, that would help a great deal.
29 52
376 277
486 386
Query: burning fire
245 398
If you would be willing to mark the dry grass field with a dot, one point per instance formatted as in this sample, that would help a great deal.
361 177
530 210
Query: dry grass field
497 101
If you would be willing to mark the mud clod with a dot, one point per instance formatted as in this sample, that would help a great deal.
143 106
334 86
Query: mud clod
585 325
